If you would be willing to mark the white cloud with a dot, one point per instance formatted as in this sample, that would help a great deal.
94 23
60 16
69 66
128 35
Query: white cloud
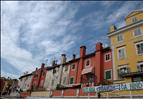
124 10
6 74
35 24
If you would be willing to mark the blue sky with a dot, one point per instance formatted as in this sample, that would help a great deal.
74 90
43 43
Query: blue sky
32 32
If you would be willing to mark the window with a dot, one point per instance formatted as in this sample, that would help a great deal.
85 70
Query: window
73 66
87 62
140 66
137 32
139 48
71 80
107 57
134 19
123 69
119 37
121 53
64 80
108 74
66 68
54 70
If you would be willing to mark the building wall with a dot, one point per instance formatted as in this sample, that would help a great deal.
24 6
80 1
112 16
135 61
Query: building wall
69 92
25 83
48 80
55 79
129 41
38 78
65 75
41 94
60 74
81 93
56 93
24 94
2 82
108 64
73 72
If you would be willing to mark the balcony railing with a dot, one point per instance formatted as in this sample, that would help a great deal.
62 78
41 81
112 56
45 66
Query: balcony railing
123 71
140 68
128 73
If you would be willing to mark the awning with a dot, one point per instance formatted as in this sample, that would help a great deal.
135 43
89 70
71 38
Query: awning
87 70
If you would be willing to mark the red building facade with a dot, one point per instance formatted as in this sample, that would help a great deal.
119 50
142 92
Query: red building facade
39 78
92 69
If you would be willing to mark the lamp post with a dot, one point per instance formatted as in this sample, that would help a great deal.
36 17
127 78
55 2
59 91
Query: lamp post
130 94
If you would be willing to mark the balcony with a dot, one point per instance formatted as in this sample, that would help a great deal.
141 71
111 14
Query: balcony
139 72
89 70
123 71
131 74
140 68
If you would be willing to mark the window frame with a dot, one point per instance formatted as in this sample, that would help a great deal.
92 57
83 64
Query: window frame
137 48
119 36
109 57
124 53
86 63
66 68
72 67
64 80
140 31
139 65
133 19
70 80
122 66
54 71
105 74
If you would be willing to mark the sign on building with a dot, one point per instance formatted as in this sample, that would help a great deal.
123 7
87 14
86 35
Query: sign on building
114 87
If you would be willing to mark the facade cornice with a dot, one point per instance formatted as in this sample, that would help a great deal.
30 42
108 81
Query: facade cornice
125 28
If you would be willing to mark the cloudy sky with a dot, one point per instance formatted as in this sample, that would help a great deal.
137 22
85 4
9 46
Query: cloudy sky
33 32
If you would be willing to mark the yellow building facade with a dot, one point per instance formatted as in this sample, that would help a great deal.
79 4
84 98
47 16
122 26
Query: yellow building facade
127 49
127 46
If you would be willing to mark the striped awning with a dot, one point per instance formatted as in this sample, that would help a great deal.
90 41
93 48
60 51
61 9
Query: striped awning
87 70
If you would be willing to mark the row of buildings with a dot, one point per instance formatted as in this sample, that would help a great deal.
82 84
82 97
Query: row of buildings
120 63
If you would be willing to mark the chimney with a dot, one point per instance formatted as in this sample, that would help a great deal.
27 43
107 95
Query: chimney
82 51
36 69
81 63
53 63
99 46
99 69
74 56
113 28
63 58
42 65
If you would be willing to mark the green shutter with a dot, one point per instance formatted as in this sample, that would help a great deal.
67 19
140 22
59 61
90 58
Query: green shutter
71 80
108 74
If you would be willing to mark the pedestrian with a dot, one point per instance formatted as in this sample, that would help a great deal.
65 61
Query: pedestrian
99 95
